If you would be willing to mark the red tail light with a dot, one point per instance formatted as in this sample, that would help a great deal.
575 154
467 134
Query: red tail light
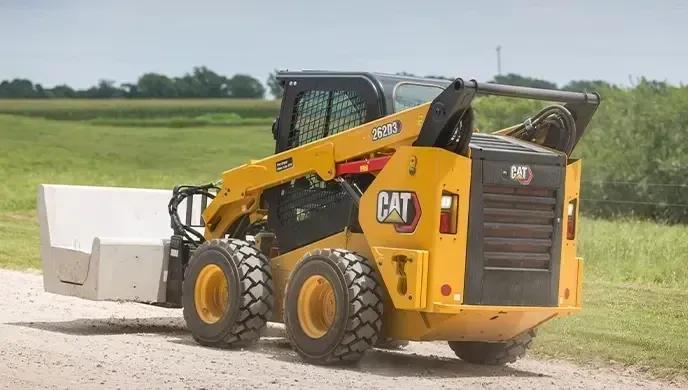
571 220
445 222
449 207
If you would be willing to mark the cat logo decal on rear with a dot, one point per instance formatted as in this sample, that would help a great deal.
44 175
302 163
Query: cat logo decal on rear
400 208
521 173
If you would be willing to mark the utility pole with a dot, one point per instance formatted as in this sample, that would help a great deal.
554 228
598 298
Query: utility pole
499 60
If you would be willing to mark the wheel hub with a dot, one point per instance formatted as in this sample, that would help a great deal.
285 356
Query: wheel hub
316 306
211 294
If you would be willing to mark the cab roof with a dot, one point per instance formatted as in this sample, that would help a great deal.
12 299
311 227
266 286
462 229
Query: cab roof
383 83
382 78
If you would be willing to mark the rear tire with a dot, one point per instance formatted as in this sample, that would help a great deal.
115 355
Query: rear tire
391 344
332 307
227 293
494 354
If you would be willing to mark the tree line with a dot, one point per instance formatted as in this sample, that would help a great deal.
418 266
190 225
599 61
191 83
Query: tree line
201 82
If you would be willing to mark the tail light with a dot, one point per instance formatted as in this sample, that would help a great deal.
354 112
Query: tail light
571 220
449 206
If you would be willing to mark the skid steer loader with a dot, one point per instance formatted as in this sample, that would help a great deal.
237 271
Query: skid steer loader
381 216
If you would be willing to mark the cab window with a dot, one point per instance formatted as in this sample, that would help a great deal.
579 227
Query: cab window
408 95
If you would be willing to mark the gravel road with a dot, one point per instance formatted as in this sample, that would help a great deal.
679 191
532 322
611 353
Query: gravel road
51 341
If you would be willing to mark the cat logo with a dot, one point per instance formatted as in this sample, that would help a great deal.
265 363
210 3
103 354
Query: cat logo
522 174
400 208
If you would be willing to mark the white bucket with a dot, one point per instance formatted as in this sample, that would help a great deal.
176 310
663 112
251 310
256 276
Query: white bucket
105 243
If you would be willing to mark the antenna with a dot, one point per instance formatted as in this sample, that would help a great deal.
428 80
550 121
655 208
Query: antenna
499 60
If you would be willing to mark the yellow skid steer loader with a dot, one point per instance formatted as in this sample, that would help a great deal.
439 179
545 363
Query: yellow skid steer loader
383 217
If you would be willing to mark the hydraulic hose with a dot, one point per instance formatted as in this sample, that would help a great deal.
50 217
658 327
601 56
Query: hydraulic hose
179 194
550 116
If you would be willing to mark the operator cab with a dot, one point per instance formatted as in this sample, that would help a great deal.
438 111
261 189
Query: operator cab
334 99
317 104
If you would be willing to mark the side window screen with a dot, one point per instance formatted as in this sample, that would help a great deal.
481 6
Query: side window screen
318 114
306 198
411 95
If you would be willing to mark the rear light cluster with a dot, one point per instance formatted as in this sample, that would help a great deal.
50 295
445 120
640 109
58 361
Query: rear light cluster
571 219
449 211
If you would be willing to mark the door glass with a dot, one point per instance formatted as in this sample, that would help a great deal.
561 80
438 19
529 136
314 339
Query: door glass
410 95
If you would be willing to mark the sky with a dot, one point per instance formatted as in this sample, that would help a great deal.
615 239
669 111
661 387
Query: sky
79 42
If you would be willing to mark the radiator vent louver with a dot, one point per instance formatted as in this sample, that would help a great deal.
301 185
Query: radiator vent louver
518 227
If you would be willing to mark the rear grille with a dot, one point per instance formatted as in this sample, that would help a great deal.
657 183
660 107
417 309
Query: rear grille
518 227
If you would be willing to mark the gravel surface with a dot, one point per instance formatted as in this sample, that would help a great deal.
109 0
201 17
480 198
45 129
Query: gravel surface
51 341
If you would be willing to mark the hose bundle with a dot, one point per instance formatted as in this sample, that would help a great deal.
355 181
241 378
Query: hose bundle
179 194
537 129
458 139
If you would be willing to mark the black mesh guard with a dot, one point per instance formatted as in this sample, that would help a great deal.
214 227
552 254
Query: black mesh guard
318 114
306 198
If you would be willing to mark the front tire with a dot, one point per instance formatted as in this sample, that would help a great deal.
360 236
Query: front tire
227 293
493 354
333 307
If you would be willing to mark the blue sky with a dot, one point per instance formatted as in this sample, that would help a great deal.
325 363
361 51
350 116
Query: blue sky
79 42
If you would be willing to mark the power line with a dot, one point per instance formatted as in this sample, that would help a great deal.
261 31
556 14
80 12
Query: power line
636 202
639 184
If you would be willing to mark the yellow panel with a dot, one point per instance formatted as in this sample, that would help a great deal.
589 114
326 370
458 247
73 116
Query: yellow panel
570 279
404 273
427 173
579 289
471 323
357 242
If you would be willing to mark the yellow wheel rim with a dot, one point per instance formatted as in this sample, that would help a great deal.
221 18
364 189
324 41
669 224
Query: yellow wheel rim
211 294
316 306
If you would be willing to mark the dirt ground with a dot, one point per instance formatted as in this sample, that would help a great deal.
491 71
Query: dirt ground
51 341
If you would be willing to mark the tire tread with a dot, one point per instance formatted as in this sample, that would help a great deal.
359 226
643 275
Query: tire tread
494 354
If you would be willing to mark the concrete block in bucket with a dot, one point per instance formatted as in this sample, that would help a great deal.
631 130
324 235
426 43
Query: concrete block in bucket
104 243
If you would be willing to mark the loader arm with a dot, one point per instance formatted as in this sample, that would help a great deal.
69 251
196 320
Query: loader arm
242 186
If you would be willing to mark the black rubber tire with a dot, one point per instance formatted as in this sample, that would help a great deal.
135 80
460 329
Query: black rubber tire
250 293
387 343
358 313
493 354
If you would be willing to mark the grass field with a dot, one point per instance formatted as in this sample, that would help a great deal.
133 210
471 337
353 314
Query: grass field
82 109
643 326
636 299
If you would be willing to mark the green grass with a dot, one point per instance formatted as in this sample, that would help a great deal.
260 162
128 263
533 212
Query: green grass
637 252
635 306
635 299
83 109
19 246
643 327
214 119
36 151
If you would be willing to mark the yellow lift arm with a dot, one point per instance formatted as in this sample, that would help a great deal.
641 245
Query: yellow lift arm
242 186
